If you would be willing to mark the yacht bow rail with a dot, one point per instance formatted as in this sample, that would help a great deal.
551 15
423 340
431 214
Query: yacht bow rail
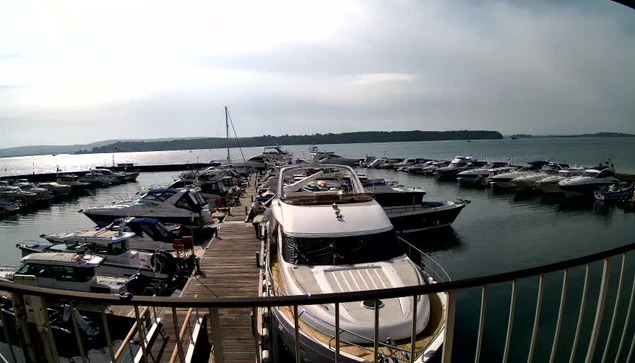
451 288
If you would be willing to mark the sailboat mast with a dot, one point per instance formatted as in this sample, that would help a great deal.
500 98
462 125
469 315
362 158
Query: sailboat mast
227 131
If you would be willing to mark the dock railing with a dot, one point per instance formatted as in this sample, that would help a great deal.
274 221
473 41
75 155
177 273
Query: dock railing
40 346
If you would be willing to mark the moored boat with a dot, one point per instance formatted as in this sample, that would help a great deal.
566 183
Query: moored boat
336 240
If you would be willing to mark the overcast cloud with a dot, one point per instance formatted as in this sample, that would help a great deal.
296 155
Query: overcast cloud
76 72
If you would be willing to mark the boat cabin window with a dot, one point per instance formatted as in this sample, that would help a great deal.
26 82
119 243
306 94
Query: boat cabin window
341 250
591 173
210 188
186 202
257 158
35 270
113 249
177 184
160 196
199 198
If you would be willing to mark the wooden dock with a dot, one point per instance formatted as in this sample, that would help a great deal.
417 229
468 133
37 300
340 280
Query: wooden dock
229 269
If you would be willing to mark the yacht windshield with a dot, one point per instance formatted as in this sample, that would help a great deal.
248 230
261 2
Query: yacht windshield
341 250
591 173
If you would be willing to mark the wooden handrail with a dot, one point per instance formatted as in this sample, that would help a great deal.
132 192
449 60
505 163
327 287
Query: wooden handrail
131 333
186 322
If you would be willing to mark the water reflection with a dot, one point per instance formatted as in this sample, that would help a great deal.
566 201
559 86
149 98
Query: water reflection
443 239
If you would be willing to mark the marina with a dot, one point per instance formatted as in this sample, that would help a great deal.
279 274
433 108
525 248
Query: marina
229 253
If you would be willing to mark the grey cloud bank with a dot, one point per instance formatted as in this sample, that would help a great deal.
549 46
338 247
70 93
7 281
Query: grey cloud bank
538 67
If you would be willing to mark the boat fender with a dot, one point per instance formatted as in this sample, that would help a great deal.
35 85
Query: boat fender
265 334
265 357
265 313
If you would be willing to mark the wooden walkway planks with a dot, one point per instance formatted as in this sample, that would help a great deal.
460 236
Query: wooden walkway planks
229 270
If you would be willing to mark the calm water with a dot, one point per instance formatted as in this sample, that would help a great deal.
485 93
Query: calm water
583 151
497 232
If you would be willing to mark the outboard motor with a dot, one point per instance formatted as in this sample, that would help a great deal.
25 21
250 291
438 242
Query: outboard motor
164 262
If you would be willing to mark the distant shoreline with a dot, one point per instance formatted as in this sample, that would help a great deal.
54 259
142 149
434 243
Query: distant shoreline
597 134
107 147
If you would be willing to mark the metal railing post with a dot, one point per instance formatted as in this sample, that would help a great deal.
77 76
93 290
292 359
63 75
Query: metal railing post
563 299
534 334
217 338
413 333
585 292
111 350
376 333
510 322
179 344
78 337
337 332
296 320
599 311
615 308
481 325
626 321
449 327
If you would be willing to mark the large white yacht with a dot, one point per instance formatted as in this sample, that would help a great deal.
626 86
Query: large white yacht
182 206
330 157
503 180
269 155
479 176
587 183
337 238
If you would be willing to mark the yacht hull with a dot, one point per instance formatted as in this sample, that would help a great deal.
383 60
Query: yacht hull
421 219
105 219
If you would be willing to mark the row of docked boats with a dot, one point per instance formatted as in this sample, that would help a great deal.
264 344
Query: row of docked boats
143 245
544 176
345 252
17 195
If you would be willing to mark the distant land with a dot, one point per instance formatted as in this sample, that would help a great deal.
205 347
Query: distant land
268 140
191 143
597 134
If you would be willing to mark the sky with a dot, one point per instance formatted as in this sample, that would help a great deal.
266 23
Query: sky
82 71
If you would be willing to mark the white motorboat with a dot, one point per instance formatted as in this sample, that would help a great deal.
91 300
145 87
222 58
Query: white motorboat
74 182
8 208
503 180
408 162
586 184
459 164
270 155
549 185
528 181
215 184
56 189
14 194
119 259
182 206
146 234
68 271
42 194
479 176
330 157
338 239
97 179
431 168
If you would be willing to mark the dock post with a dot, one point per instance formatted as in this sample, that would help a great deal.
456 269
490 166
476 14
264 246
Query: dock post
35 329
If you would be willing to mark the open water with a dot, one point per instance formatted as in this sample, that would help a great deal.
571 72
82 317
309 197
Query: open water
497 232
575 151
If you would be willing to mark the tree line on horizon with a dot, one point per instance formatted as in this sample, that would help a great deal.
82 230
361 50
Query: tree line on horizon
269 140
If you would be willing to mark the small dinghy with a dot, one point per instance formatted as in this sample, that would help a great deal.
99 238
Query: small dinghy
615 193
